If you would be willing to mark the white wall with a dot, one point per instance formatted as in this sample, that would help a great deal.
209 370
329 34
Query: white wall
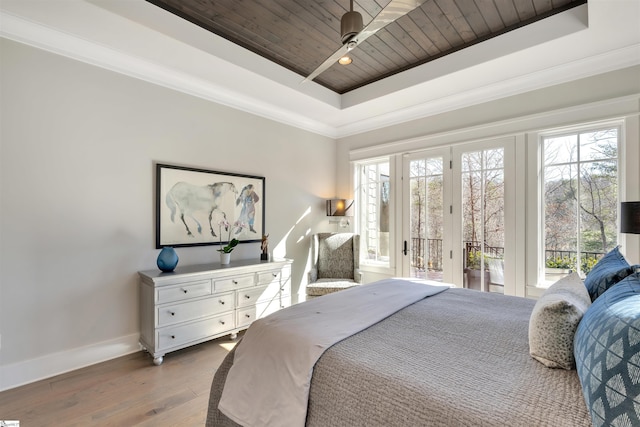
77 210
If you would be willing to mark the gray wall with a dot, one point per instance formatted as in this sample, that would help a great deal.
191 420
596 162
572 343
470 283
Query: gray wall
77 200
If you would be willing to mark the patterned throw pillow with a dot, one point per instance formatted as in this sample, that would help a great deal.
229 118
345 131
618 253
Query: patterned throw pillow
607 272
554 321
607 352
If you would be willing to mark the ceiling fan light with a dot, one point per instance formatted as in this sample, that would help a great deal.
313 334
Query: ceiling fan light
350 25
345 60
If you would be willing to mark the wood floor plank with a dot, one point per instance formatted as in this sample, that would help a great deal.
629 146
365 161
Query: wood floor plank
129 391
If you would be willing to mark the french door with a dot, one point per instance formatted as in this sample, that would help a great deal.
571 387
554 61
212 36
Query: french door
458 203
426 216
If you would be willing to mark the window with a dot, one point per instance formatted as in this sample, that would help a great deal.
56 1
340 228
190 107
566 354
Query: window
580 199
373 201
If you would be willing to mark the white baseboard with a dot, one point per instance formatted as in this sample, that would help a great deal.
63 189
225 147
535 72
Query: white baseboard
28 371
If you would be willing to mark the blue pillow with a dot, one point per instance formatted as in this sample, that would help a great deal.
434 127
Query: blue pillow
607 353
607 272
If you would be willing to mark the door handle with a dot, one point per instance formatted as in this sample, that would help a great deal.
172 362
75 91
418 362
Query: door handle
404 250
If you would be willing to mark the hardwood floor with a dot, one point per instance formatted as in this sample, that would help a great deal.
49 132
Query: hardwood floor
127 391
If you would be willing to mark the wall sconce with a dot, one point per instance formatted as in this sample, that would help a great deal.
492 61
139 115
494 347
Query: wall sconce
630 217
342 208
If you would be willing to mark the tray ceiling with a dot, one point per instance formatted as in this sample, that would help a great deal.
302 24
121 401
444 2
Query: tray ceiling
300 34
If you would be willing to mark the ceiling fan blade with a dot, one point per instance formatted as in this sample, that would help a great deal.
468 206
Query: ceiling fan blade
328 62
393 10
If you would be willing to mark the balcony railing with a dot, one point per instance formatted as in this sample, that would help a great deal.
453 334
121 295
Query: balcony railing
433 254
432 258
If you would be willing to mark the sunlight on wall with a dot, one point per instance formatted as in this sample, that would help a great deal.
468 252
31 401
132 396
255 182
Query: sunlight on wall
280 250
298 236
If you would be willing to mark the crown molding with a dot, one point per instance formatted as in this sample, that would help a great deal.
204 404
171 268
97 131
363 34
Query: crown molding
582 68
603 111
52 40
271 94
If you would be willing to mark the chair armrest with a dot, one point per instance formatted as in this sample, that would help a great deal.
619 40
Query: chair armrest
313 275
357 276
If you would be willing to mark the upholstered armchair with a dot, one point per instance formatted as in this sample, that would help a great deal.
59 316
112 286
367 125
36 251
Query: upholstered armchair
335 263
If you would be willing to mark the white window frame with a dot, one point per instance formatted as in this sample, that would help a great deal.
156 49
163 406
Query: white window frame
381 266
526 130
512 199
536 283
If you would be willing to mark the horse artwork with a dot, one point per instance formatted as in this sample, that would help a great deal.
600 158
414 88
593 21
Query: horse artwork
187 199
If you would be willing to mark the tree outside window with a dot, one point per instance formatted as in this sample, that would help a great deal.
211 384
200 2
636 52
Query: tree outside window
426 210
580 198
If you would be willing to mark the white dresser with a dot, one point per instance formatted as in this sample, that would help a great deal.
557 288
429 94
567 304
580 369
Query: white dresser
197 303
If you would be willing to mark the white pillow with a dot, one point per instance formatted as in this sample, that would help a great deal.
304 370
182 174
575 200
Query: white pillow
554 321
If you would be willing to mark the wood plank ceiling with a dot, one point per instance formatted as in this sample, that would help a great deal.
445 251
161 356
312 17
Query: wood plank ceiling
301 34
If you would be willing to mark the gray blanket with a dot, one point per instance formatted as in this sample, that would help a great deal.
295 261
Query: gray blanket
278 352
459 358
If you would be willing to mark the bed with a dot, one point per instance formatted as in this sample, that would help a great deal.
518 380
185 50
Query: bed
457 358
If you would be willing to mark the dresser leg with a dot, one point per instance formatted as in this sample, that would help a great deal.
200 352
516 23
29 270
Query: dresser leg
158 360
233 336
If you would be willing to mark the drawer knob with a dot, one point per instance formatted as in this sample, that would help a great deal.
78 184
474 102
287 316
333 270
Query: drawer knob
173 313
247 297
184 290
222 322
235 282
221 302
275 274
247 315
173 337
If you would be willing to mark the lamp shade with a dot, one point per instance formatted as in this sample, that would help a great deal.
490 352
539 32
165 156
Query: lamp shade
339 207
630 217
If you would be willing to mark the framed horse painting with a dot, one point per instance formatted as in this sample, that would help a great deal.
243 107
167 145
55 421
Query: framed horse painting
197 207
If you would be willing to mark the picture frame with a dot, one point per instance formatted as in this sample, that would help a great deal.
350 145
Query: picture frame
194 205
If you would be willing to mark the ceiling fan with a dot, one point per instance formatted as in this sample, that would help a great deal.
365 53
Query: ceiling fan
353 32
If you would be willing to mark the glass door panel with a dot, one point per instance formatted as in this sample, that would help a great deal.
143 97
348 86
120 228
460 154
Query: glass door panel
425 207
426 218
456 207
483 230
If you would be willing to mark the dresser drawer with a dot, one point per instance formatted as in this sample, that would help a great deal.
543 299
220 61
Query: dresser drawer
236 282
182 334
285 301
266 277
202 302
175 313
285 288
184 291
245 316
247 297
